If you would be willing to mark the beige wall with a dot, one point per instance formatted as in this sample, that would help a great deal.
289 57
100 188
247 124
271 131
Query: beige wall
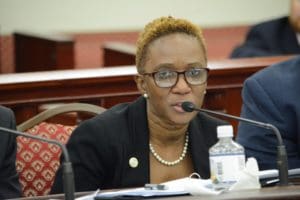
64 16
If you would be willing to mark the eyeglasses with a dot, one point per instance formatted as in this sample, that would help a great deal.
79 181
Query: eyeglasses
167 78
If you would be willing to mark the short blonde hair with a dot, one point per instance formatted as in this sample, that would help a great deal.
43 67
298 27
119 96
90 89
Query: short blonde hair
161 27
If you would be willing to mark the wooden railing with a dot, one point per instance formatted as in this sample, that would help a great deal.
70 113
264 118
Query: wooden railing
26 92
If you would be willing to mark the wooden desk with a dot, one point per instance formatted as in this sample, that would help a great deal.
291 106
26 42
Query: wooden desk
290 192
25 92
118 53
278 193
220 42
35 52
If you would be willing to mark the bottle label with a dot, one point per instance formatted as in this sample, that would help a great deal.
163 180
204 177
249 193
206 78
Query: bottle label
224 168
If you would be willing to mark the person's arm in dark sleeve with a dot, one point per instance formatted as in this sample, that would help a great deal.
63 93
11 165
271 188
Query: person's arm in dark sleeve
270 96
258 142
9 179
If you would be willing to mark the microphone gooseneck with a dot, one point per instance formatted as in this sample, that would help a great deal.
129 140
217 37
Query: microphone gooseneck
282 162
68 178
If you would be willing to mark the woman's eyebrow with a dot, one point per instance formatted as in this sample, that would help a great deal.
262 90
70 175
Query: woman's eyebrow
164 66
195 64
172 66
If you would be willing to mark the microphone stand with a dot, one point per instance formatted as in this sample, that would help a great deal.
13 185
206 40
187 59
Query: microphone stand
68 176
282 161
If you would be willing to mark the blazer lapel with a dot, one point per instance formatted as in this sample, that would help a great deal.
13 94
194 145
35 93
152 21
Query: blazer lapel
199 151
138 151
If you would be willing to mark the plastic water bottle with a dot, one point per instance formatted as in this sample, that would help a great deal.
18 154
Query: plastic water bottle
226 159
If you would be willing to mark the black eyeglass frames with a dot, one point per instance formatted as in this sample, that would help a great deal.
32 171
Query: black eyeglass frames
168 78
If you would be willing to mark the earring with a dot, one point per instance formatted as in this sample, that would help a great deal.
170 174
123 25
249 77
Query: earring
145 95
204 92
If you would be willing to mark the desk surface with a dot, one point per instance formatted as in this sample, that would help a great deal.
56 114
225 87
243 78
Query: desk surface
279 193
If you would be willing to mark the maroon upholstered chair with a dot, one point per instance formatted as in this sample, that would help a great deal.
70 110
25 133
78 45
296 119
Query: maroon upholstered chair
37 162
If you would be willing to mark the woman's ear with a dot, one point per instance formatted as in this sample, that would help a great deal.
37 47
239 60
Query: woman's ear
140 82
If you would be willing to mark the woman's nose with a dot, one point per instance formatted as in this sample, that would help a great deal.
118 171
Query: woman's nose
182 86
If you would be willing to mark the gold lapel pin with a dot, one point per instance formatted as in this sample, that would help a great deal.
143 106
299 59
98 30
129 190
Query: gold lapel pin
133 162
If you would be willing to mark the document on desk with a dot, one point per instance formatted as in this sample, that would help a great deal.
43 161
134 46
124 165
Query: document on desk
273 173
139 193
178 187
270 177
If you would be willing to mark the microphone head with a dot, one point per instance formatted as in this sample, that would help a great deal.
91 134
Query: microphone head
188 106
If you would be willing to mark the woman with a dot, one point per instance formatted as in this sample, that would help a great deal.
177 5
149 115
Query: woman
151 140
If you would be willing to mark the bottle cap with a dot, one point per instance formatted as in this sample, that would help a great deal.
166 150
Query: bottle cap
225 131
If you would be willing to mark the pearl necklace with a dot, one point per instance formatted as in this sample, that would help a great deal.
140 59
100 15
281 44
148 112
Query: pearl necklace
175 162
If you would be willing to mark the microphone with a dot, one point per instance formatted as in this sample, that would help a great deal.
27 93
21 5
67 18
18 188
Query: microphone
68 175
282 163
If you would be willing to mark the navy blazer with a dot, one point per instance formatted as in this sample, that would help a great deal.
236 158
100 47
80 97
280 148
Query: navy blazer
100 148
272 95
9 179
275 37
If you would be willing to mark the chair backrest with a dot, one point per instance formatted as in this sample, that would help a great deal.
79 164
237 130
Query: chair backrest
37 162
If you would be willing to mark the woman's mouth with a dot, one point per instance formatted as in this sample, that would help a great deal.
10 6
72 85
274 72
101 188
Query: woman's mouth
177 107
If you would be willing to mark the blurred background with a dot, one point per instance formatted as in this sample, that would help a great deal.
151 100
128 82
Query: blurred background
39 35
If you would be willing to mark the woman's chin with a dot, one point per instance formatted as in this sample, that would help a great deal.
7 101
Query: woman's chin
182 119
